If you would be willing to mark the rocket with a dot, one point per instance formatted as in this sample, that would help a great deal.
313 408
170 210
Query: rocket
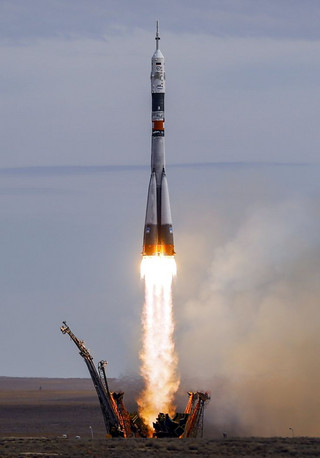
158 233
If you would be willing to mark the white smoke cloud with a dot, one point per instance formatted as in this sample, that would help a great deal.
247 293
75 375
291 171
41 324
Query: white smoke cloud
254 334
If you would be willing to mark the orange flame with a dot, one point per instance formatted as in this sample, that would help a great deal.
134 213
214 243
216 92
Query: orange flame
158 357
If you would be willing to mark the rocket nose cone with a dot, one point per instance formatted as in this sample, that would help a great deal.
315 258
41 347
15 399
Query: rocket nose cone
157 54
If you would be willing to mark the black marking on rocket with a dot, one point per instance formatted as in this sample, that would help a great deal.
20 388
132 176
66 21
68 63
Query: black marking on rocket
158 102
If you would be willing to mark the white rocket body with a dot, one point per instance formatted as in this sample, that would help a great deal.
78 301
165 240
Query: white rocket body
158 234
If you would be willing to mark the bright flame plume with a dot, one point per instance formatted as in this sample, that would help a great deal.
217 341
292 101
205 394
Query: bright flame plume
159 360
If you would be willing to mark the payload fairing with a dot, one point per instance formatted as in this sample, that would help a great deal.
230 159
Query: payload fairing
158 234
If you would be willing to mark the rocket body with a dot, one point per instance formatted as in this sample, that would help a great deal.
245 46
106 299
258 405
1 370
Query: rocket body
158 234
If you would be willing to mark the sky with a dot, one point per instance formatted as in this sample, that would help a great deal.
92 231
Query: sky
242 142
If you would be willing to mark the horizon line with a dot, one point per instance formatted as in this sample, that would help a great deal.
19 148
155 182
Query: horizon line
67 169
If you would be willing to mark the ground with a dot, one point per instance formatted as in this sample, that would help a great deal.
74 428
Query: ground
35 414
231 447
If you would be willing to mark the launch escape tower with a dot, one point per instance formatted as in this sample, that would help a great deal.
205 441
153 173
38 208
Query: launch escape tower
120 423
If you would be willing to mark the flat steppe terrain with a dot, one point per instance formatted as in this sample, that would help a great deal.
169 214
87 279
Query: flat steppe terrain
49 407
122 448
35 413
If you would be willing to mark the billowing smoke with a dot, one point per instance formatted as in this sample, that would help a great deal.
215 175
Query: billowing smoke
252 332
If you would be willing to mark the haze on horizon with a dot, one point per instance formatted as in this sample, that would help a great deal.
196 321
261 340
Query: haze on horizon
243 100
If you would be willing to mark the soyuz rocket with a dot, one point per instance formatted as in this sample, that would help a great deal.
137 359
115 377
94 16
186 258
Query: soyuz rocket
158 234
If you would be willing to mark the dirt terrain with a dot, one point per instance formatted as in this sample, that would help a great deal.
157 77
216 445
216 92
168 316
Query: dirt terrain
54 407
36 413
233 447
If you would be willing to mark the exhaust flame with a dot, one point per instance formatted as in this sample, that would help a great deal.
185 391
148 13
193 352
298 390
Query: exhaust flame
159 360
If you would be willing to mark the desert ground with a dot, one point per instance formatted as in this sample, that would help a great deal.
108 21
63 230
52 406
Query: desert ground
42 417
122 448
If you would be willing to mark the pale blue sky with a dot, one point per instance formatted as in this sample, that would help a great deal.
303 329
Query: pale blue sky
243 81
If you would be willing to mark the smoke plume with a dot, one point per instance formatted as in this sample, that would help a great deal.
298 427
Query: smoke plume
252 332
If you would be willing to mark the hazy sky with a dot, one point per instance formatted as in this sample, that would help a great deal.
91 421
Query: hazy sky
243 95
243 80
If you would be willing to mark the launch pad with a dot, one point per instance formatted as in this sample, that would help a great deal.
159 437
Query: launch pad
120 423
